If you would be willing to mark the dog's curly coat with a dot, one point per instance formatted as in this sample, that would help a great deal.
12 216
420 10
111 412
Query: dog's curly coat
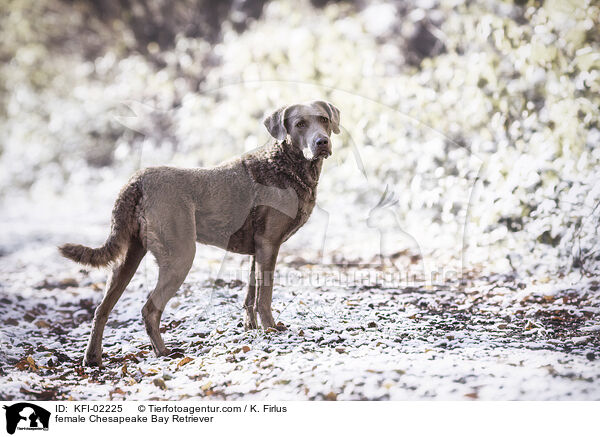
250 205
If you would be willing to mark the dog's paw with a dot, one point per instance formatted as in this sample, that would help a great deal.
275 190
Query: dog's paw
278 327
163 352
92 361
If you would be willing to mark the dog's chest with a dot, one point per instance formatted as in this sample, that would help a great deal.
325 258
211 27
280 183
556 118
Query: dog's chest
305 208
284 197
280 219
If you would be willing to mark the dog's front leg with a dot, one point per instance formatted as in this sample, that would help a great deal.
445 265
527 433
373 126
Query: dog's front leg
250 302
266 257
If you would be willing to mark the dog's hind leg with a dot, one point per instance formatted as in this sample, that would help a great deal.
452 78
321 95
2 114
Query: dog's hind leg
174 265
120 277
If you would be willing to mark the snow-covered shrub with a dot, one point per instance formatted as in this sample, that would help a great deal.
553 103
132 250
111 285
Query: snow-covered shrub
481 117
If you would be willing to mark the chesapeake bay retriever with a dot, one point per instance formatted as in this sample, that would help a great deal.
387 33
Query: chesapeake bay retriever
250 205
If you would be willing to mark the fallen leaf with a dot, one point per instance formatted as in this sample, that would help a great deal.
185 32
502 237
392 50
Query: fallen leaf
331 396
116 391
184 361
27 363
131 357
42 395
68 282
42 324
160 383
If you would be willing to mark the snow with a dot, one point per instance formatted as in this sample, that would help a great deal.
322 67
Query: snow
485 339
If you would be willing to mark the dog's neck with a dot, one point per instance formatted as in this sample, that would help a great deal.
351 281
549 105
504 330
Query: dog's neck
281 164
305 172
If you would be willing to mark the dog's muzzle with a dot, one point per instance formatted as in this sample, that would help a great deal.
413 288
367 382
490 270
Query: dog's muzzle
322 148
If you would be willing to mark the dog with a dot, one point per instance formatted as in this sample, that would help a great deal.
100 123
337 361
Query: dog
249 205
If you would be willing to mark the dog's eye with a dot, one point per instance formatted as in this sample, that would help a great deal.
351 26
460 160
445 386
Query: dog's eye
301 123
323 119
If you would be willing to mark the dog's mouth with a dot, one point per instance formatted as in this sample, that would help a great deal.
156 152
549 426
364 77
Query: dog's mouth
322 154
319 154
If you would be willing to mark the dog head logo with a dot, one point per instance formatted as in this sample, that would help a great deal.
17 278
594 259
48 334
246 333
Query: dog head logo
26 416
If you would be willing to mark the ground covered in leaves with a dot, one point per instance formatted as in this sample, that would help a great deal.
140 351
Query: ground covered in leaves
482 338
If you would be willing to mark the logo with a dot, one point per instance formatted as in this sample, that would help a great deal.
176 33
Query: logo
26 416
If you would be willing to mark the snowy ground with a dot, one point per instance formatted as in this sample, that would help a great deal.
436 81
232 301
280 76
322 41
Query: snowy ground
493 338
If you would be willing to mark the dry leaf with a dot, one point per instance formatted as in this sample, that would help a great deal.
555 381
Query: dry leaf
116 391
184 361
331 396
31 363
159 382
42 324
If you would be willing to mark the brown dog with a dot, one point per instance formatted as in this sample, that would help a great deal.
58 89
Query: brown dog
249 205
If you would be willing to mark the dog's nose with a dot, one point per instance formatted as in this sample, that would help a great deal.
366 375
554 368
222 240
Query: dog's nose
322 142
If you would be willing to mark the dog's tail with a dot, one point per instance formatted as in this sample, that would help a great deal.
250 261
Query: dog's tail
124 226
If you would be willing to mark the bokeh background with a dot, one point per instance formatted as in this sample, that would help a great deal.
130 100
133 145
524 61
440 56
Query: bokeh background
480 119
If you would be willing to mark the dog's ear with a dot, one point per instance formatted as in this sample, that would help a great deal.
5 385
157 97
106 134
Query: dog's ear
334 115
275 124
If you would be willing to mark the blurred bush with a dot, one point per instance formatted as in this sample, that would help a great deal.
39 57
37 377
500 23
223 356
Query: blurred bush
484 113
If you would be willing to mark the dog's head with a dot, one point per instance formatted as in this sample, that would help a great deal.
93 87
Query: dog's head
308 125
